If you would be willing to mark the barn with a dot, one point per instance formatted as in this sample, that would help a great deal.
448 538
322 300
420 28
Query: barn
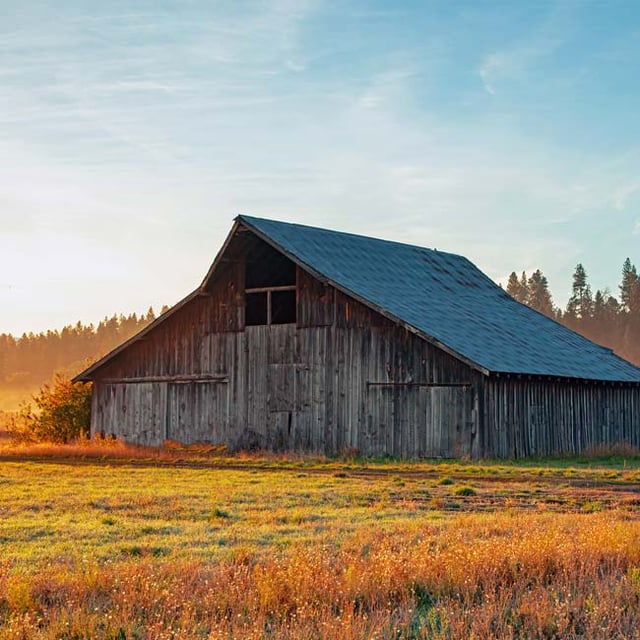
301 338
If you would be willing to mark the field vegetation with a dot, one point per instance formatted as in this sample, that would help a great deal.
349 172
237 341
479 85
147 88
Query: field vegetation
104 541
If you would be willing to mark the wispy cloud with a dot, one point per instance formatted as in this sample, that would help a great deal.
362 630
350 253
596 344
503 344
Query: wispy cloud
514 64
388 88
532 43
623 194
116 72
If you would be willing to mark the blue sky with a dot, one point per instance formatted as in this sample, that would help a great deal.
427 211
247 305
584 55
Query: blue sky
131 134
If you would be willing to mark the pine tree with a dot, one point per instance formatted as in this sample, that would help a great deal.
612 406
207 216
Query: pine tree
524 287
580 305
514 288
629 285
518 287
605 325
598 306
630 318
538 294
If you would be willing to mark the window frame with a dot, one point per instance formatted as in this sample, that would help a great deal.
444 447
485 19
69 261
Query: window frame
269 291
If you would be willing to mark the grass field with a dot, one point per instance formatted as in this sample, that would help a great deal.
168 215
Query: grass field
121 544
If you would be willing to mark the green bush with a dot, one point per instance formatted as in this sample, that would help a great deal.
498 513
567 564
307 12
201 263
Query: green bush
465 491
62 414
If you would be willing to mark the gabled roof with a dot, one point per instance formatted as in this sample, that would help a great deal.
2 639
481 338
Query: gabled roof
447 299
440 296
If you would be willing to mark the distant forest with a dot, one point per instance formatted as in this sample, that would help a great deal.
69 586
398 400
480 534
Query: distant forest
602 317
32 359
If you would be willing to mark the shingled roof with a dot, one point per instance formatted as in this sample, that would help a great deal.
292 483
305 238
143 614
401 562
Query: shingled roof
446 299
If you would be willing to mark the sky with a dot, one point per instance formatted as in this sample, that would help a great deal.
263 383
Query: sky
132 134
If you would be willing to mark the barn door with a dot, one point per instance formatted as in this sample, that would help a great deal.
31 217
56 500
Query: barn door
450 414
416 420
280 410
289 406
197 412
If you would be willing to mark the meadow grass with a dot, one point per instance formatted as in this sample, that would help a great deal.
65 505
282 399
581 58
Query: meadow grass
124 544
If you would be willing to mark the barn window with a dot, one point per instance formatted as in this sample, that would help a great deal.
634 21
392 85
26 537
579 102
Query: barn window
270 305
270 289
283 306
256 308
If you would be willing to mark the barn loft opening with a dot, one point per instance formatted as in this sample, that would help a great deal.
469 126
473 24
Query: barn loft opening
270 286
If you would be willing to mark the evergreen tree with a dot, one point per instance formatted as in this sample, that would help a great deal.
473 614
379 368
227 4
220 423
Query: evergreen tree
580 305
630 317
524 286
598 305
629 285
538 294
605 323
517 288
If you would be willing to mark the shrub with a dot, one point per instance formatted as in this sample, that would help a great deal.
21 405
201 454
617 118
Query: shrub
62 414
465 491
216 513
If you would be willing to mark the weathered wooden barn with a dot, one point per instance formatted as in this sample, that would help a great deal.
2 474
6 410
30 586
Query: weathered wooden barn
307 339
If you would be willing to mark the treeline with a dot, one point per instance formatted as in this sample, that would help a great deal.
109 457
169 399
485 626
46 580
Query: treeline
602 317
32 359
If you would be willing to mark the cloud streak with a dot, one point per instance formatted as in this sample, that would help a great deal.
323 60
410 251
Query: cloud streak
514 65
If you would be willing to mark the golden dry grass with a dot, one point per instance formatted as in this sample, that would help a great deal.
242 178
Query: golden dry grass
211 546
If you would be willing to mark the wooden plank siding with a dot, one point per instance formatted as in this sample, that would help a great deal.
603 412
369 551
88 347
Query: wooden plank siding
343 377
539 417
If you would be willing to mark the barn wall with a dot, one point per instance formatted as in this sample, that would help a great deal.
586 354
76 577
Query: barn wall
537 417
343 377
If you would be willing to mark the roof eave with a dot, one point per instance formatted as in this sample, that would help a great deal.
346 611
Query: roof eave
562 377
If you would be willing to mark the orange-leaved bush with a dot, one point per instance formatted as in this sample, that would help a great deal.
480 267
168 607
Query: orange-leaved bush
62 414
